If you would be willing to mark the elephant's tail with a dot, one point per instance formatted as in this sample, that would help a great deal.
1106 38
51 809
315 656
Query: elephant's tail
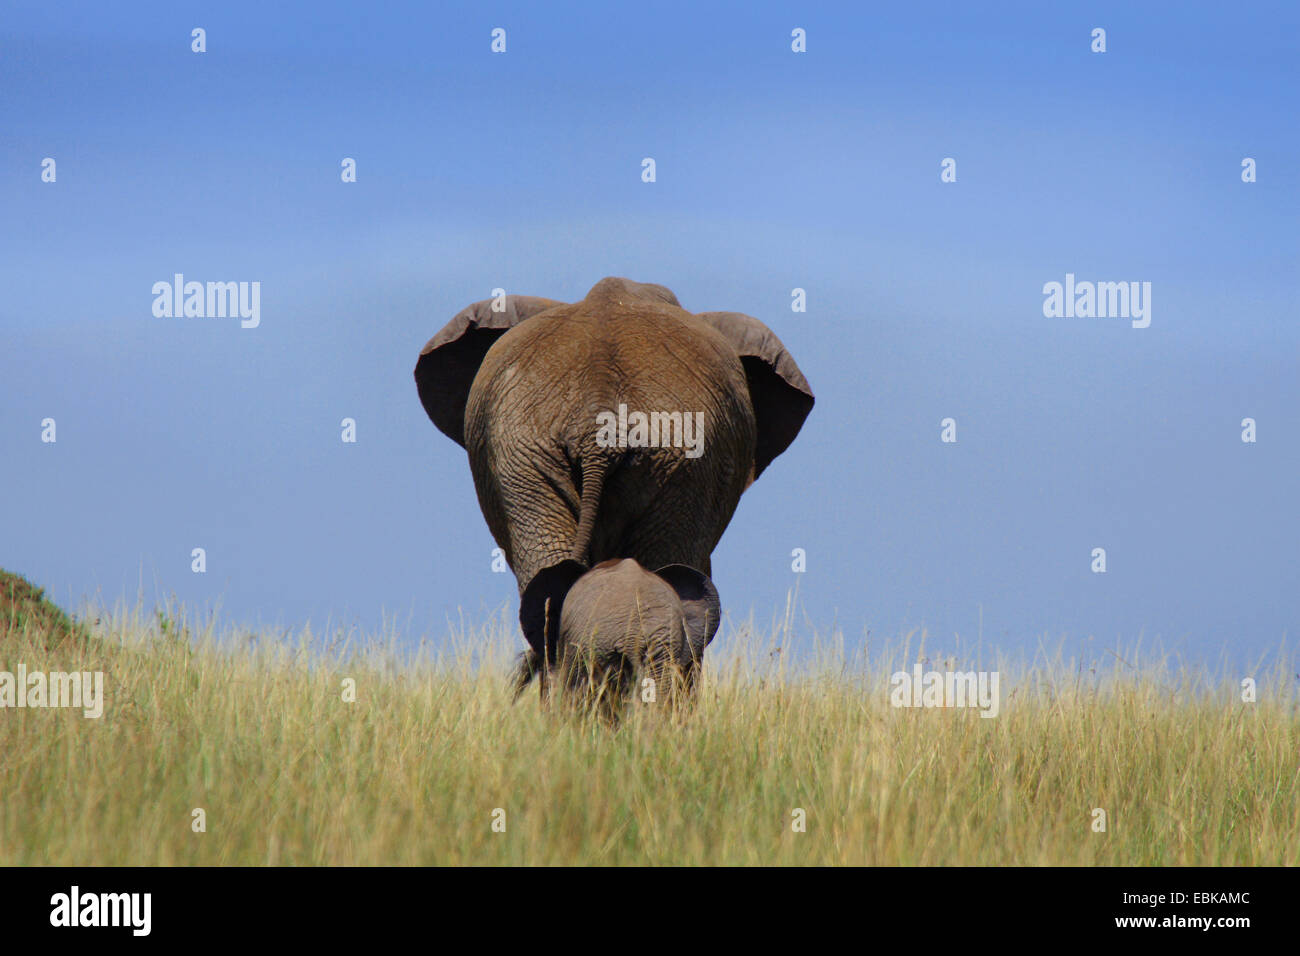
594 469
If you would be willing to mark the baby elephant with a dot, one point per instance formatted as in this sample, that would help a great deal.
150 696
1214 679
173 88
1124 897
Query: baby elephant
623 629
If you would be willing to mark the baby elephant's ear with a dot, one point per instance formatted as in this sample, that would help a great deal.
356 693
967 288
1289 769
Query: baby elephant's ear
541 604
450 360
699 602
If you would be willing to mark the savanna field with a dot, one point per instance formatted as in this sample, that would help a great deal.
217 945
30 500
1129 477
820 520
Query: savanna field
255 731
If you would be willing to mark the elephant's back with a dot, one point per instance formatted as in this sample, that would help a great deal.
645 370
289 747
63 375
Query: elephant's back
564 392
576 361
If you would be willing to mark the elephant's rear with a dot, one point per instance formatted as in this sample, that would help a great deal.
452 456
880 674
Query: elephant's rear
642 416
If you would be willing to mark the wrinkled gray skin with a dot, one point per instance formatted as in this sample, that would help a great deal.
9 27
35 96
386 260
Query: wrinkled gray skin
520 389
622 625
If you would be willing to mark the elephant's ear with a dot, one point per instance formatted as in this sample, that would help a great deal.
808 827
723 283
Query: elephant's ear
541 604
449 362
700 603
781 395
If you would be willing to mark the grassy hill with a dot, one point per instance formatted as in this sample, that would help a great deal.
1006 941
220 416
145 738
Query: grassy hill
431 754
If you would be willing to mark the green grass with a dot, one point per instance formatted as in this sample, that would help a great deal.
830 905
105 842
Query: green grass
256 733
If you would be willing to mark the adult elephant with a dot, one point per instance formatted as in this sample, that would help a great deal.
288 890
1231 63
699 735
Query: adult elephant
528 385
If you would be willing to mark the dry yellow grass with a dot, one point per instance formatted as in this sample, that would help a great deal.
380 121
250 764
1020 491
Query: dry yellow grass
257 734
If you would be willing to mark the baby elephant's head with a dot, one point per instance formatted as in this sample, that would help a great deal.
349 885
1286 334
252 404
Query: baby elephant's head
621 628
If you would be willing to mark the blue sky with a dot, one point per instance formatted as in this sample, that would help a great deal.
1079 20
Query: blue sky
775 170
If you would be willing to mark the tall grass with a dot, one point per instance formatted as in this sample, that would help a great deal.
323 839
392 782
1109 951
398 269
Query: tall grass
257 734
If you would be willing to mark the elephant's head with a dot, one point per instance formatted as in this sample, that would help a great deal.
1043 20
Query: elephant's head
778 391
619 626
